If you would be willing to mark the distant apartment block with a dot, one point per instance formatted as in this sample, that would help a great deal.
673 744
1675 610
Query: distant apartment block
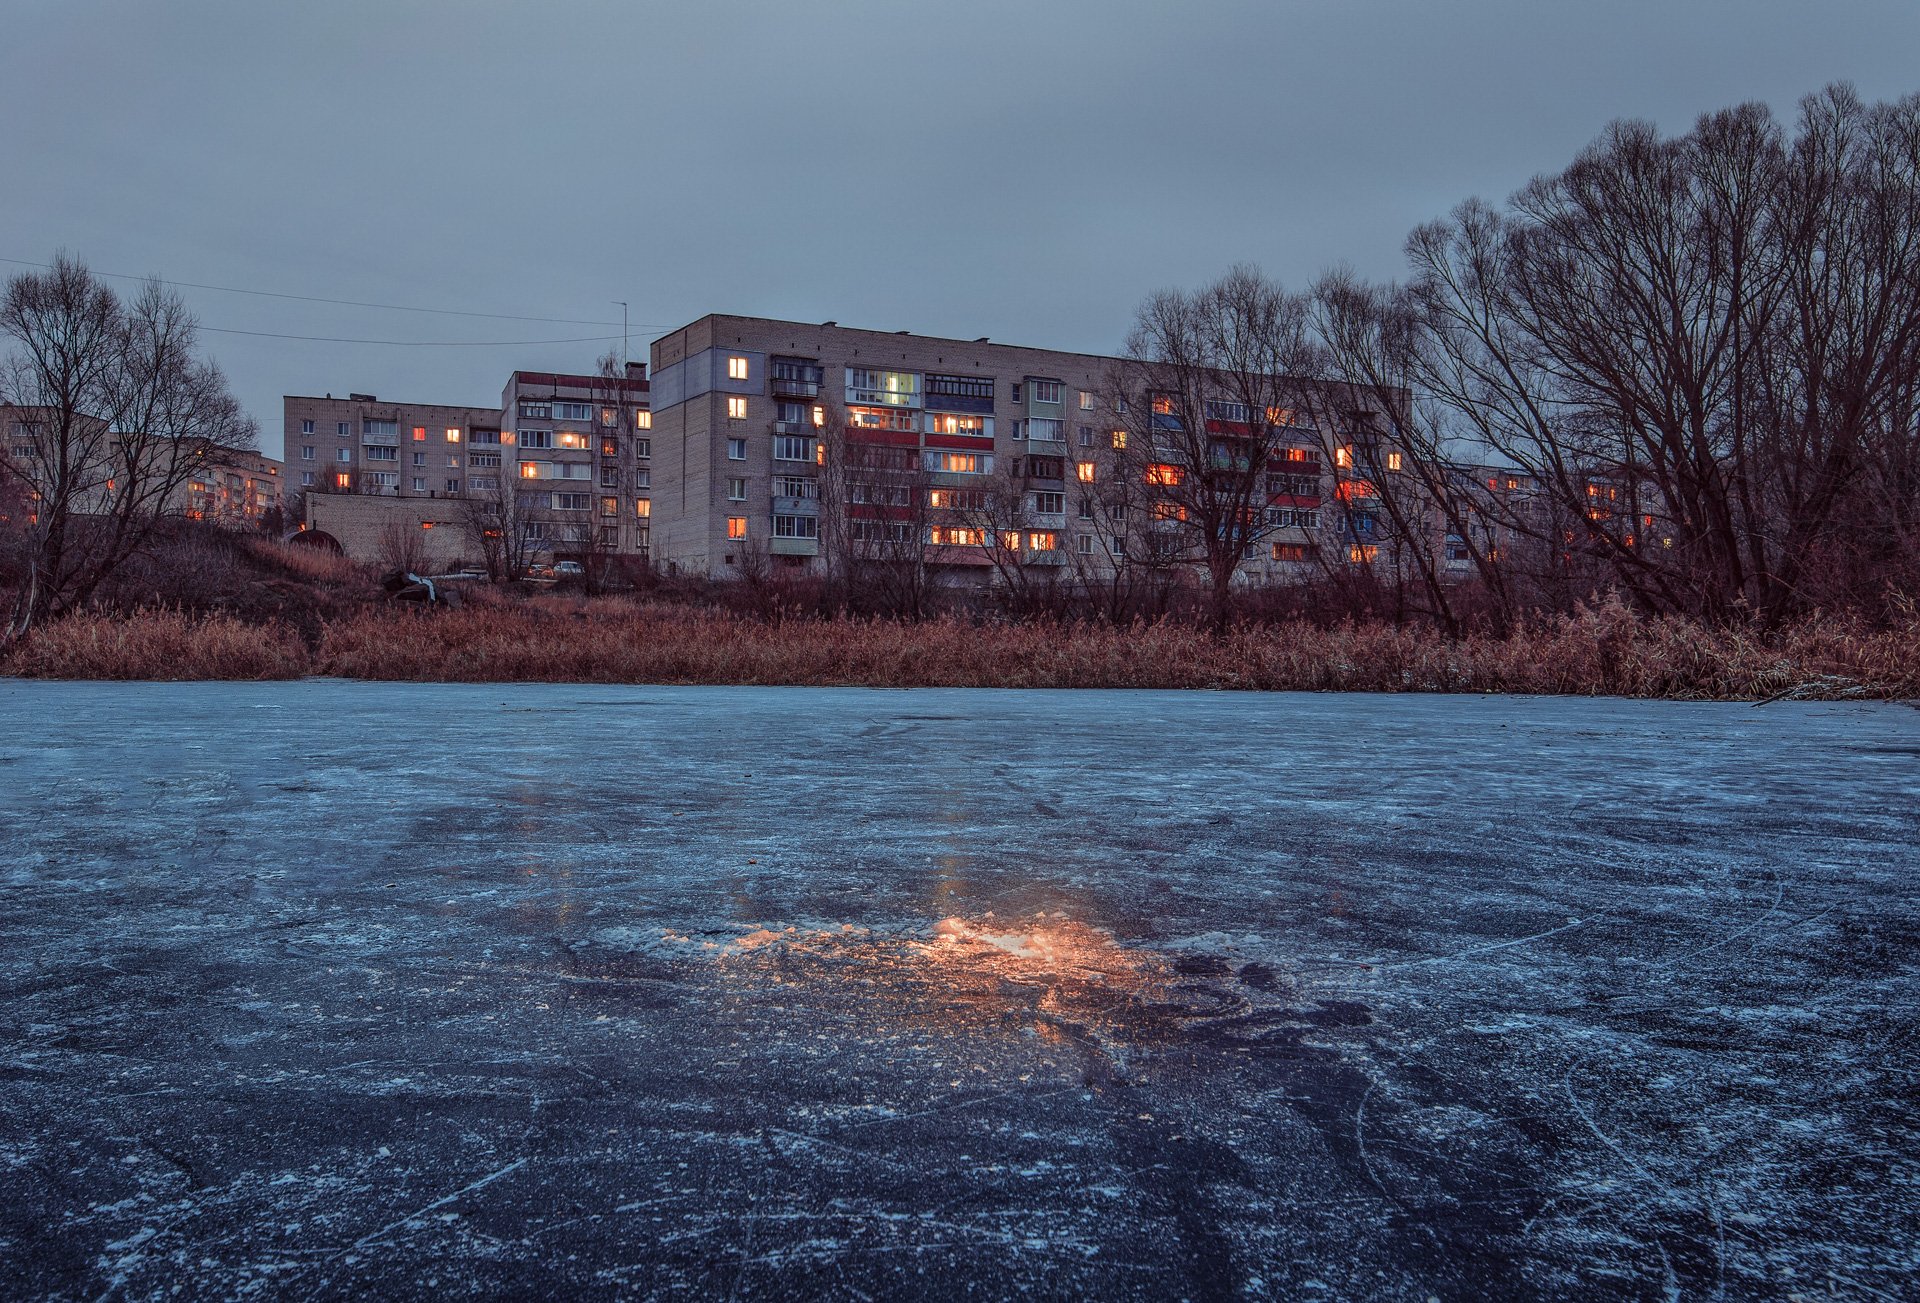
571 451
743 408
581 447
360 444
227 486
233 487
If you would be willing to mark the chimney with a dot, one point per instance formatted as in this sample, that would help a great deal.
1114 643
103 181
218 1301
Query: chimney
636 370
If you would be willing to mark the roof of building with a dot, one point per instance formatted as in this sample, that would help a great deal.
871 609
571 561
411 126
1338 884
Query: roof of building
566 380
392 402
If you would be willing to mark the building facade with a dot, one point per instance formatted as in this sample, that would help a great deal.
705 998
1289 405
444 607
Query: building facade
564 459
360 444
981 456
581 448
233 487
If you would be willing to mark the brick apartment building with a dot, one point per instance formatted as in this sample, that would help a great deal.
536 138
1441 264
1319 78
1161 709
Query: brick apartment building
237 487
716 459
572 450
233 487
743 405
359 444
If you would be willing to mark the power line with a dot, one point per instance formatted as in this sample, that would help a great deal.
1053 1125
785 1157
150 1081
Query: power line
347 303
418 343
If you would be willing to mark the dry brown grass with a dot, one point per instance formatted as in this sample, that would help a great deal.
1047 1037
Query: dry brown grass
158 645
554 638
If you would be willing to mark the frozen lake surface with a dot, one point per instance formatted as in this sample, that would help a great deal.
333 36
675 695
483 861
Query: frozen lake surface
326 989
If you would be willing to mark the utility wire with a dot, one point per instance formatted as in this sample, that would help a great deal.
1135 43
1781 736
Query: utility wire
418 343
348 303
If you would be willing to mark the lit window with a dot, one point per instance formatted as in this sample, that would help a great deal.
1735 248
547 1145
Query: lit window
643 507
420 433
819 416
1086 401
1119 438
736 526
1343 457
343 479
608 416
529 470
643 420
1362 553
1393 461
1084 470
1042 541
736 368
736 409
1161 473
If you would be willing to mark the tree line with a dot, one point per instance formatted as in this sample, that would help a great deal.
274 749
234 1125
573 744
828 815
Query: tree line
1684 370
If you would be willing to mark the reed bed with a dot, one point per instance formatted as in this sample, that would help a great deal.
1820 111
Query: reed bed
1605 651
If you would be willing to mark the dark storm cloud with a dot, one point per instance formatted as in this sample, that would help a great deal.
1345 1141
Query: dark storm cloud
1023 170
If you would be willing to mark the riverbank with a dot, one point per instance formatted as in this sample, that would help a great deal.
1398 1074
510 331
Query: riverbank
1606 651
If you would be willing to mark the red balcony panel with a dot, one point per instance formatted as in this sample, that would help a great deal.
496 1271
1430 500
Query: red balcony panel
896 438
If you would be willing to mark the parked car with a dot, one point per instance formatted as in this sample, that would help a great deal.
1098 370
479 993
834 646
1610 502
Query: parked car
568 569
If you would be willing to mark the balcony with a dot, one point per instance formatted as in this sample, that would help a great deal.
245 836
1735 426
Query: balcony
805 429
794 546
381 440
793 387
796 506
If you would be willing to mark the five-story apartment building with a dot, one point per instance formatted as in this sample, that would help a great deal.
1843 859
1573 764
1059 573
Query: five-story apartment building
980 455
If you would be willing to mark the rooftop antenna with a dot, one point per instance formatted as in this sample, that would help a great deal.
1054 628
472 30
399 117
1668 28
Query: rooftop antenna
623 335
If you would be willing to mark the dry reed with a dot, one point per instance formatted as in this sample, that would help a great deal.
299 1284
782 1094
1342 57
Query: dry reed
556 639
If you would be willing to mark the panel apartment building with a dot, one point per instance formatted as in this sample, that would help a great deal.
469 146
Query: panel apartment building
572 448
740 406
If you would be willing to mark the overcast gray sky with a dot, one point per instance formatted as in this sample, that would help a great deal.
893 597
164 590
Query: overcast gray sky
1025 169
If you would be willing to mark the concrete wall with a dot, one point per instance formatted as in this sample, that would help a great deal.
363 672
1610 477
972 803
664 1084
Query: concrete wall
361 525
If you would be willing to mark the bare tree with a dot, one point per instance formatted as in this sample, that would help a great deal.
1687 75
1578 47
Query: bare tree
504 524
876 517
1025 545
1704 348
112 410
1212 382
402 547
